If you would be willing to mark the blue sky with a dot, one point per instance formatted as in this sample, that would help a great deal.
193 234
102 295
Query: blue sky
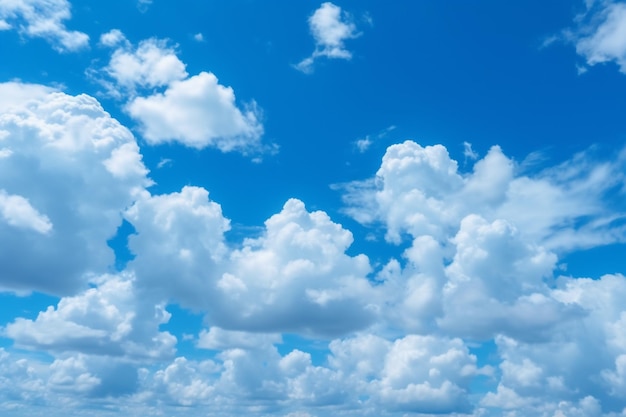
311 209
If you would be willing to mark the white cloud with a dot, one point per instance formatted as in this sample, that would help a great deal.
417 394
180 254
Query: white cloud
297 277
197 112
364 374
186 382
600 35
109 319
419 191
505 398
171 106
68 172
484 249
199 37
606 41
15 95
164 162
17 211
220 339
495 283
536 375
486 243
19 382
62 383
42 19
72 374
363 144
152 64
426 374
468 152
178 235
330 27
112 38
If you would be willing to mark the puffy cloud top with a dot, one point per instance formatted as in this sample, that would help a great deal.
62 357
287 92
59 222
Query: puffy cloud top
58 149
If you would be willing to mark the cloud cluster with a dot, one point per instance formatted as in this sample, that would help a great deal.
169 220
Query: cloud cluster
477 268
330 27
485 245
108 319
419 191
42 19
420 374
296 277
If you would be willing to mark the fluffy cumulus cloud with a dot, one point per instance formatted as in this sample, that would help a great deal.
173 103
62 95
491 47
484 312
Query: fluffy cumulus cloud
295 277
601 35
153 63
108 319
171 106
484 250
419 191
484 243
330 27
42 19
198 112
62 383
185 231
68 171
412 374
473 267
560 367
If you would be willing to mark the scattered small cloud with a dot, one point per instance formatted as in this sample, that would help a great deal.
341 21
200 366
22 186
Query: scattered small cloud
199 37
365 143
114 38
599 34
164 162
143 5
468 152
367 19
330 27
